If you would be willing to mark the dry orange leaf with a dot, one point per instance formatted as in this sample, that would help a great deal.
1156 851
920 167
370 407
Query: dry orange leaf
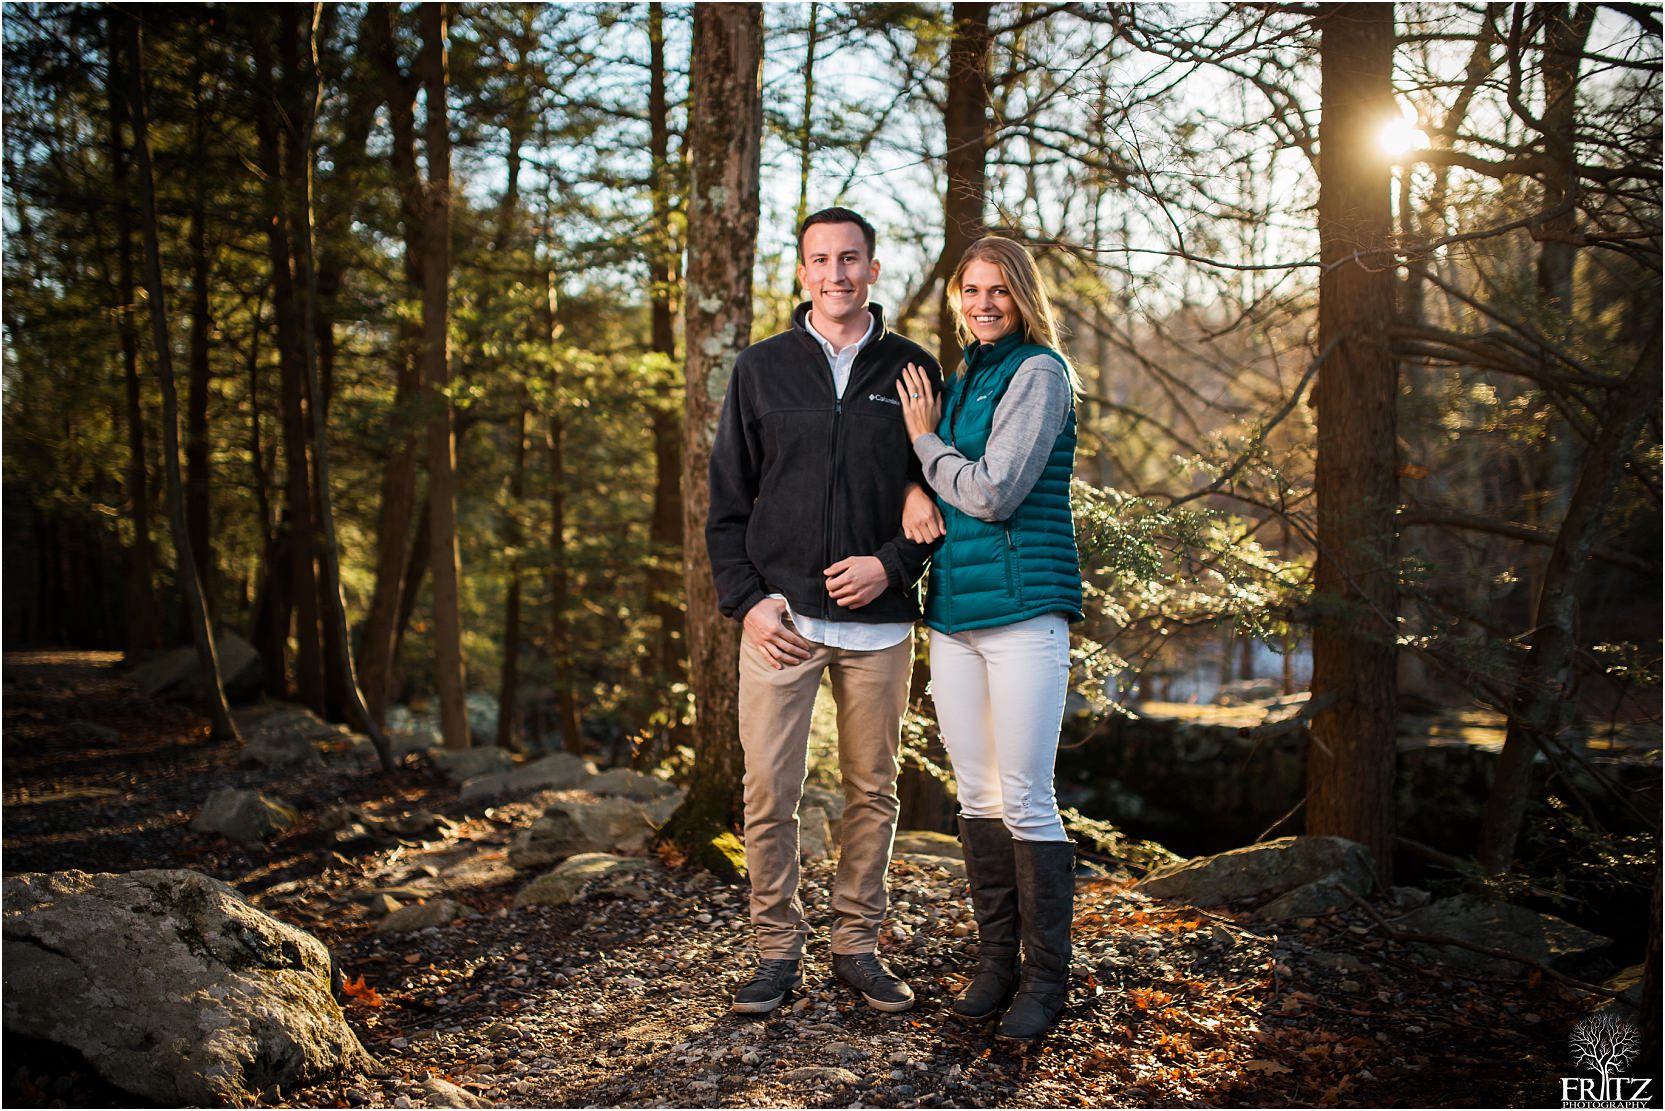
1259 1065
362 992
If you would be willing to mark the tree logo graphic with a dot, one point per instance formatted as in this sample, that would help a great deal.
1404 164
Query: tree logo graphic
1604 1043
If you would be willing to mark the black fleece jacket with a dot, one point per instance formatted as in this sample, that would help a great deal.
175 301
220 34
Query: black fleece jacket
801 480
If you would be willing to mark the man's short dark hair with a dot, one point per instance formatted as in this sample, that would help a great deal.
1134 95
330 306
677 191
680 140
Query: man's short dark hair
837 216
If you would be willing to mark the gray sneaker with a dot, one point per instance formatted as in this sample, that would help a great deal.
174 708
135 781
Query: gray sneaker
768 986
883 989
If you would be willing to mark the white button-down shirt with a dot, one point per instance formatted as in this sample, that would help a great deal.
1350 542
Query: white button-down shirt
853 635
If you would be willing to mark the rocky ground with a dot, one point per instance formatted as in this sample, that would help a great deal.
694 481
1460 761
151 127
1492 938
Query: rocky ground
620 998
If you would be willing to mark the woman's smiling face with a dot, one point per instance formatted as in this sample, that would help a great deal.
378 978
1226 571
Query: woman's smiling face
988 307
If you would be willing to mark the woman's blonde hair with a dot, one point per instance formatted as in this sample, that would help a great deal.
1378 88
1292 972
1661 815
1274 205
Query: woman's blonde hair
1023 280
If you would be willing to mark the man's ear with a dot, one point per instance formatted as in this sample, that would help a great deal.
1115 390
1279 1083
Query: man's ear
803 276
873 272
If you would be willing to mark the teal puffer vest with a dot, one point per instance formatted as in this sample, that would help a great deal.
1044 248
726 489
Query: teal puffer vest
984 573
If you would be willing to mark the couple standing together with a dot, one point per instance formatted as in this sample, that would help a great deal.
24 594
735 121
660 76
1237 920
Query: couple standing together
834 436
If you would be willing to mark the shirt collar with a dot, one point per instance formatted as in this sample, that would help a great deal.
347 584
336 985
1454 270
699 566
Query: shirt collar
826 344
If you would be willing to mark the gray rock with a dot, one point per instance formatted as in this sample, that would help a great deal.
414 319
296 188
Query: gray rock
420 738
484 867
821 1074
281 734
830 801
462 764
629 784
434 912
814 834
927 843
559 771
174 674
576 877
482 710
1263 870
443 1093
242 815
582 825
1505 927
171 986
1318 897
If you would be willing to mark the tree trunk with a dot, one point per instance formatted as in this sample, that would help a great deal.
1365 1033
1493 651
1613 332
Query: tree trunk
340 660
1540 689
665 535
560 640
197 479
269 117
382 624
436 377
196 612
142 618
965 120
508 689
724 146
1351 760
269 621
805 130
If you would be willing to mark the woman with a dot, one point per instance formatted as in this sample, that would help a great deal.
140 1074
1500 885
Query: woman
1004 585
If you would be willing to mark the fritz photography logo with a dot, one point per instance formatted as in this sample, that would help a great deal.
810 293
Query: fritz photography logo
1604 1043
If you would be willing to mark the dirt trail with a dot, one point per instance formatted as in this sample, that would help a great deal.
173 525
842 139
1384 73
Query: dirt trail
622 999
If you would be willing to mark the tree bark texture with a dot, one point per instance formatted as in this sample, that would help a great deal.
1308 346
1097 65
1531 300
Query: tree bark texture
1350 764
197 479
1541 687
665 535
966 122
724 147
436 377
560 636
337 639
273 105
508 687
398 485
222 727
142 612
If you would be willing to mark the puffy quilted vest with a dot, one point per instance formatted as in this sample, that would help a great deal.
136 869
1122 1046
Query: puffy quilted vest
985 573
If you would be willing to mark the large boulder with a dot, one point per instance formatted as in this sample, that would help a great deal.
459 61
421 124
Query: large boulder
559 771
571 826
1262 871
285 735
171 986
630 785
462 764
176 674
420 916
1503 927
243 815
576 877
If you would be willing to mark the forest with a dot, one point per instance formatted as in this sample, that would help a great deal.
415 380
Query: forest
365 360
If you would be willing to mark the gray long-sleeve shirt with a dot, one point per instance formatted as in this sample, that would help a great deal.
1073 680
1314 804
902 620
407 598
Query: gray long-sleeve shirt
1026 423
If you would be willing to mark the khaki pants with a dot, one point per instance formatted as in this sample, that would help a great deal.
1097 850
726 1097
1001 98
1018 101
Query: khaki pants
870 690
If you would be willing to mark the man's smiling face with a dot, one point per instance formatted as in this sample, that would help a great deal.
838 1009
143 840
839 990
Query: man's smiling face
836 272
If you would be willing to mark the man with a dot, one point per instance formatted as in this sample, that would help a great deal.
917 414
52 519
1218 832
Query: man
809 474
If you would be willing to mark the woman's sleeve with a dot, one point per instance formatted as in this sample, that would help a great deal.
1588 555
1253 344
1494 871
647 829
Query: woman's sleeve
1026 424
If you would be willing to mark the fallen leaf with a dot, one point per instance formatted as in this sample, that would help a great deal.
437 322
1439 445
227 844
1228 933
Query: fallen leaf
362 992
1259 1065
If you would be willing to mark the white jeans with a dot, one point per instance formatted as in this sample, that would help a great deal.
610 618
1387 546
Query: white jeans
999 696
